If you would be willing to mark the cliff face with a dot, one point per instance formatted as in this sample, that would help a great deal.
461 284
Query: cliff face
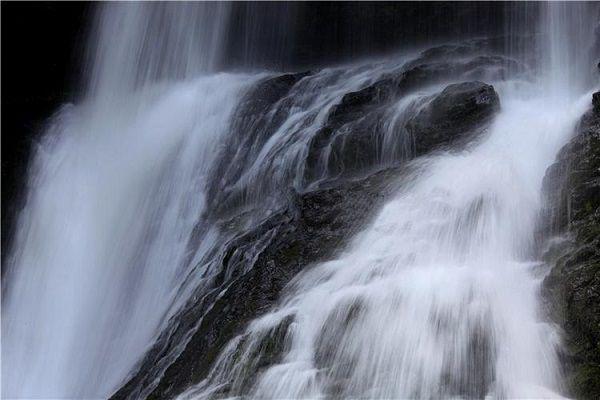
339 196
572 187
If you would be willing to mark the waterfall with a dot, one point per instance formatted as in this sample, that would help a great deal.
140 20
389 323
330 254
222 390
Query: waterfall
137 192
438 296
117 187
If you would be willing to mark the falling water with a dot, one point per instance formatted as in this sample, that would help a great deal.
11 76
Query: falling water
437 297
117 189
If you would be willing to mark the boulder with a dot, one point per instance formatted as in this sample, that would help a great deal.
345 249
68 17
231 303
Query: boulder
358 138
256 264
452 115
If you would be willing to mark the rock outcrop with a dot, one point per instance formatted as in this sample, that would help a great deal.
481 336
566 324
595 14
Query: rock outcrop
453 116
357 137
572 289
257 260
361 134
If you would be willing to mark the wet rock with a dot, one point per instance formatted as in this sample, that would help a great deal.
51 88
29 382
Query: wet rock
464 61
253 355
354 140
359 137
452 115
572 289
262 251
356 104
254 123
213 313
312 229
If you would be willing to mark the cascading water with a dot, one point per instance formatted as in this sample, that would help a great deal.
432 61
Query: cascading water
117 189
123 224
438 297
108 213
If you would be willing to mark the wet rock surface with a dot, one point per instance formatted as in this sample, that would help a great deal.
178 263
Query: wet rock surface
359 136
572 289
259 259
361 132
258 116
453 115
311 229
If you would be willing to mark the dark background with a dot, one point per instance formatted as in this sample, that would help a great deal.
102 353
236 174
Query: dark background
40 42
43 46
330 32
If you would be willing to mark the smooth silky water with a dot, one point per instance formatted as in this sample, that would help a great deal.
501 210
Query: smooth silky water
116 189
437 298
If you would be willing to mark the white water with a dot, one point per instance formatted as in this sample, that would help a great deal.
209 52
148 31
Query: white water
115 191
103 239
439 296
118 186
444 270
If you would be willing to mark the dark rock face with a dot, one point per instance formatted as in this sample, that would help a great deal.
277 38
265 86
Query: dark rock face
459 108
257 260
314 225
257 118
358 136
361 133
572 289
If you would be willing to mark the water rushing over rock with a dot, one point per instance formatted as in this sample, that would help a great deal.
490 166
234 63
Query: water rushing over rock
364 230
107 214
437 298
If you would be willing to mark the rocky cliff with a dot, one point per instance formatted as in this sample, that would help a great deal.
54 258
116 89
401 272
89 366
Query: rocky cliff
572 187
340 192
